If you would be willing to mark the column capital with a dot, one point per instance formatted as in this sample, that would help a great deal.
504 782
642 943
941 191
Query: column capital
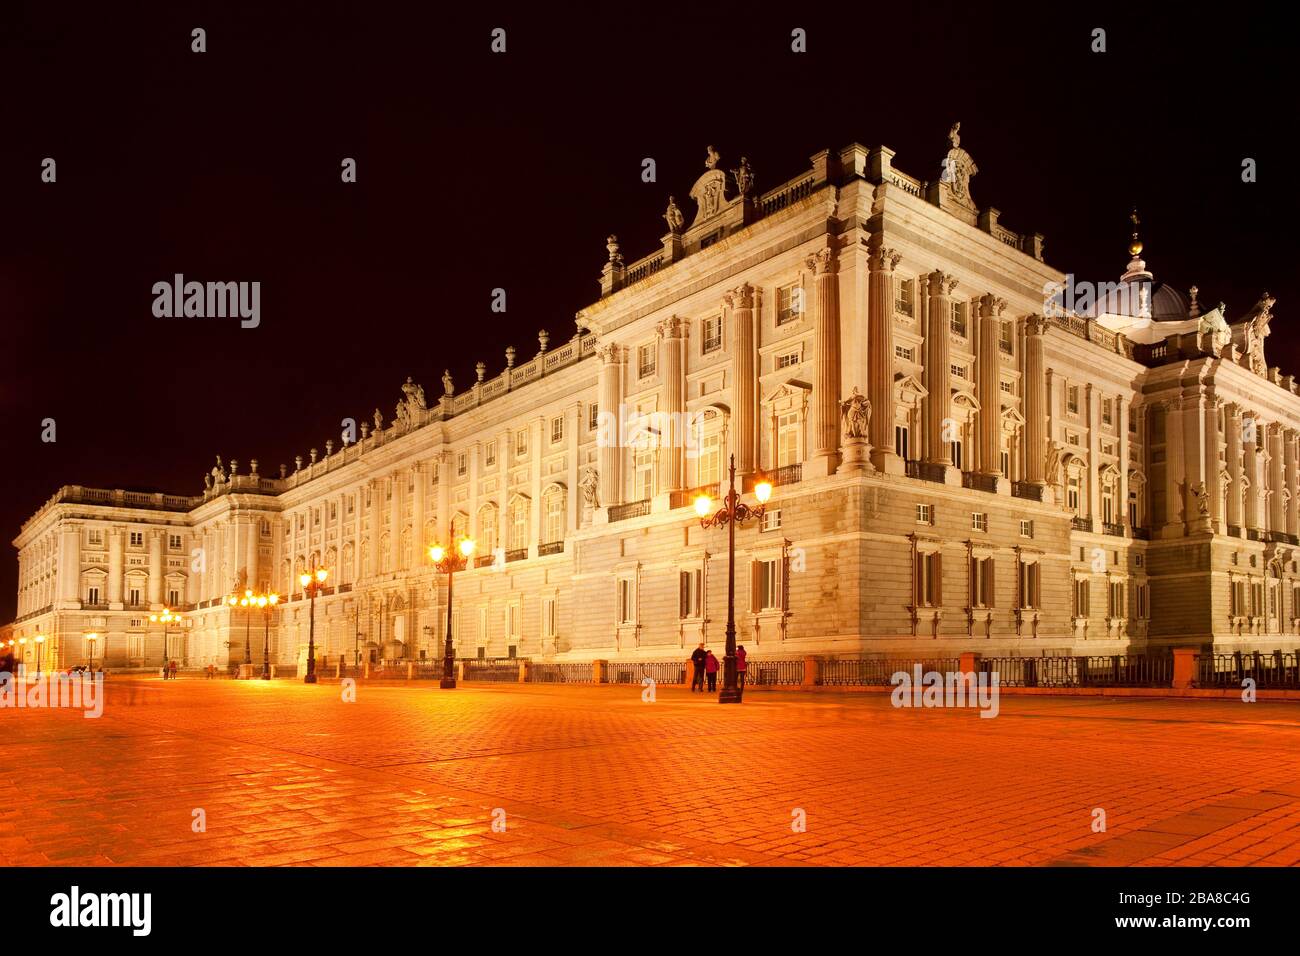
823 262
1035 324
941 283
883 260
991 306
673 327
741 297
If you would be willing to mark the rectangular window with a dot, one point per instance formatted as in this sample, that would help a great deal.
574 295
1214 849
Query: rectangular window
645 360
1072 399
643 485
462 464
958 321
266 525
1028 584
1082 597
903 352
981 582
787 360
1008 387
708 467
96 538
133 597
490 454
512 623
137 539
557 429
548 617
979 521
956 454
711 334
1006 338
904 296
1117 604
1141 599
521 443
926 579
1107 410
92 595
593 417
691 597
626 601
924 514
958 371
789 303
900 441
135 646
771 520
1026 528
174 542
787 439
173 597
1072 493
767 585
334 511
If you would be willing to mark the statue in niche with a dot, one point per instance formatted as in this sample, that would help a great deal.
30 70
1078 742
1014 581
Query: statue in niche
1052 464
590 488
855 412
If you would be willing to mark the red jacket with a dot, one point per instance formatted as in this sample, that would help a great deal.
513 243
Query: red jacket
710 664
740 658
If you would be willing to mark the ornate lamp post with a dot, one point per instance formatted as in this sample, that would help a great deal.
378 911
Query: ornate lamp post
266 602
450 562
733 512
166 618
312 583
22 652
237 601
40 648
91 639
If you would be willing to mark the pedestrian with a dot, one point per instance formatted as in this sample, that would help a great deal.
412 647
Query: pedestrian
173 669
711 669
740 669
698 657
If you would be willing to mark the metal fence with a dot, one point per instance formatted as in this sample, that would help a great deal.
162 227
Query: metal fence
501 670
661 672
560 673
1277 670
784 673
872 672
1116 670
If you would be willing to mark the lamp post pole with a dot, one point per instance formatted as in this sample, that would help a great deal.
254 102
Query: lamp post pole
40 652
266 602
312 583
733 512
450 561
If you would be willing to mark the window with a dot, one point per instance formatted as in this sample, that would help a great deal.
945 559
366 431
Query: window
903 296
512 624
553 510
787 360
787 439
708 466
548 616
1004 462
173 597
133 597
789 303
958 320
903 352
981 581
643 482
137 539
900 441
593 417
926 573
957 370
767 585
334 511
711 334
459 528
1006 338
924 514
490 454
1072 399
1107 410
645 360
96 538
266 525
1142 601
1028 583
955 447
626 601
1008 387
521 442
174 542
1026 528
1072 493
1117 606
135 646
979 521
92 595
557 430
519 523
462 464
1082 597
487 530
691 597
1108 505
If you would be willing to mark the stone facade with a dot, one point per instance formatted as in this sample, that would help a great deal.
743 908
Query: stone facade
1031 474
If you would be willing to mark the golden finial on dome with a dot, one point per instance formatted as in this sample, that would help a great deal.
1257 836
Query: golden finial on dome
1135 245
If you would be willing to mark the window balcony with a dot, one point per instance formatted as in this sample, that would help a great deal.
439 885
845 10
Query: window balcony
633 509
516 554
1080 523
1027 490
483 560
550 547
685 498
1108 527
926 471
980 482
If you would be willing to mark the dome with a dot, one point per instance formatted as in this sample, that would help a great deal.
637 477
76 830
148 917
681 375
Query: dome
1169 305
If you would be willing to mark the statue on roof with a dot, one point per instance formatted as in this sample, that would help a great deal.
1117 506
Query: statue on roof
744 177
709 191
674 217
712 159
958 168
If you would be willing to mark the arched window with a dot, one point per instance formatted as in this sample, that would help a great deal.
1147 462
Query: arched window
332 565
367 566
459 528
553 503
347 568
518 527
408 548
385 553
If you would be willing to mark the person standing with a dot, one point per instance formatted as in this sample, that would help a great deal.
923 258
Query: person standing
711 671
740 669
698 657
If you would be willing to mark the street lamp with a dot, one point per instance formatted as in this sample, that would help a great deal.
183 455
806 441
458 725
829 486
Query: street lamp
40 647
450 562
244 601
166 618
733 512
22 652
266 602
91 639
312 583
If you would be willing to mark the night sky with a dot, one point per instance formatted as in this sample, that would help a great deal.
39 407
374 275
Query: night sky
479 171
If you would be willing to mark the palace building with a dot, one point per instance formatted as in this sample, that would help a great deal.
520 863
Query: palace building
970 451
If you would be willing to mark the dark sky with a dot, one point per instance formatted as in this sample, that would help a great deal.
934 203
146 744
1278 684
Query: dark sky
479 171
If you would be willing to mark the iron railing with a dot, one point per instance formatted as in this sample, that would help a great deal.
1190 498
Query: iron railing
634 672
685 497
567 673
877 672
633 509
926 471
550 547
979 481
501 670
1026 490
1278 670
1081 524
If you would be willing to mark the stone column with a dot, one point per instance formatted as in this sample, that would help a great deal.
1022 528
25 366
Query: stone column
825 431
1276 479
155 567
1292 480
672 375
744 361
397 515
444 498
1175 513
1254 475
252 533
1036 410
938 404
419 545
610 489
70 562
987 379
1092 396
1233 457
572 494
1121 418
880 358
117 565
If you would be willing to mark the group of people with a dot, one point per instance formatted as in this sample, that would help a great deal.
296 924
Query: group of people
706 665
170 668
